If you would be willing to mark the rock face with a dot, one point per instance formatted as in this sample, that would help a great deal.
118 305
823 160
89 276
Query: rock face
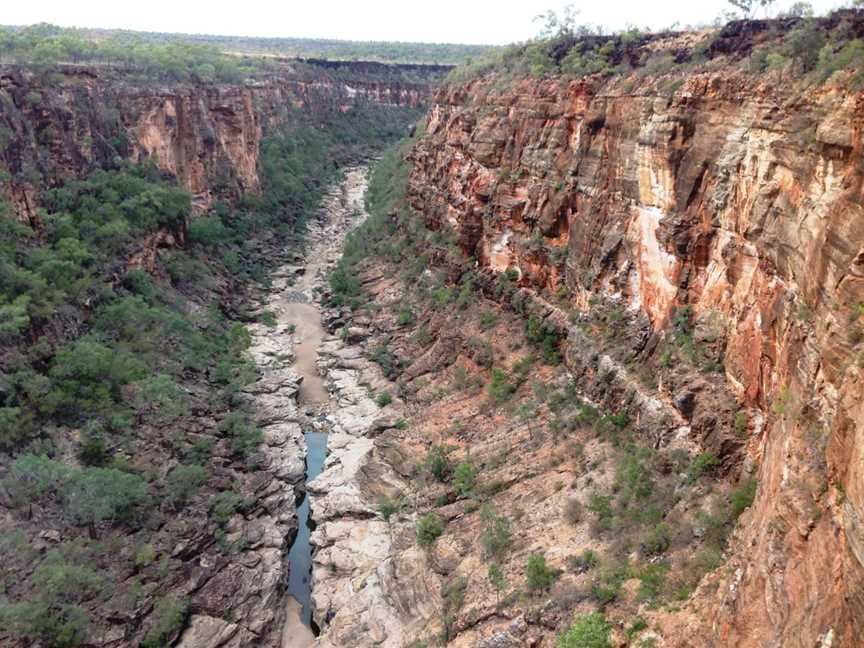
739 197
206 135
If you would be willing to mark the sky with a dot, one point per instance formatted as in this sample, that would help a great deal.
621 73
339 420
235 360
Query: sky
452 21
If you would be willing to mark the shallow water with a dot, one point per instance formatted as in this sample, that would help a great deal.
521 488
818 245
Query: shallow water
300 554
299 308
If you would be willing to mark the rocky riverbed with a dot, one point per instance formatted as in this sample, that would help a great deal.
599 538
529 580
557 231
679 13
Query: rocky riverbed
312 378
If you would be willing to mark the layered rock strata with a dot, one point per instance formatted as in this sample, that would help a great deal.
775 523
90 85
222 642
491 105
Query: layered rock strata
739 197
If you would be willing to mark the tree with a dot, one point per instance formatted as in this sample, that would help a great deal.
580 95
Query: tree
496 532
98 494
749 7
453 597
183 482
587 631
162 396
538 574
555 25
498 582
439 465
170 613
429 528
31 477
53 614
88 376
464 478
499 387
799 10
14 317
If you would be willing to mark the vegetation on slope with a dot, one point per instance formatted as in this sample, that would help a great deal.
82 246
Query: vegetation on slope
797 44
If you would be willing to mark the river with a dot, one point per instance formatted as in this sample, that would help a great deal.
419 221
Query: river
298 313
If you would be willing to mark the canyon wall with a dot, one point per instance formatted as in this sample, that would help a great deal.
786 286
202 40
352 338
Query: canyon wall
733 195
61 125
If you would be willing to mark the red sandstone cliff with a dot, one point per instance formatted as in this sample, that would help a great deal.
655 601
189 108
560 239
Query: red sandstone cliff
740 196
206 135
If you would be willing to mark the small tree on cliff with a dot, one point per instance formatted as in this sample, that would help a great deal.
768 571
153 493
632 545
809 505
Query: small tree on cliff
749 7
498 582
558 25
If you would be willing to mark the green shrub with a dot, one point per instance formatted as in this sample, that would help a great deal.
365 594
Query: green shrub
383 399
740 423
245 436
701 465
268 319
639 624
145 555
742 498
94 450
656 541
87 377
16 426
405 317
538 575
584 562
601 507
652 580
429 529
162 397
183 482
390 364
169 616
498 582
545 338
607 586
388 507
499 386
52 614
31 477
96 494
14 316
465 478
224 505
587 631
488 319
438 463
207 231
833 59
633 475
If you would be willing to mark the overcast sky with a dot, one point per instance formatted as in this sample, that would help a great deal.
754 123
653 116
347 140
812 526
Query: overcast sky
455 21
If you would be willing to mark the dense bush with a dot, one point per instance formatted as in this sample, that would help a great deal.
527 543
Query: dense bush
742 498
465 478
183 482
586 631
545 338
438 463
96 494
53 614
538 575
499 386
429 529
170 614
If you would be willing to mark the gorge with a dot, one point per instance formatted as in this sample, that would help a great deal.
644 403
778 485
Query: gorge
574 360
